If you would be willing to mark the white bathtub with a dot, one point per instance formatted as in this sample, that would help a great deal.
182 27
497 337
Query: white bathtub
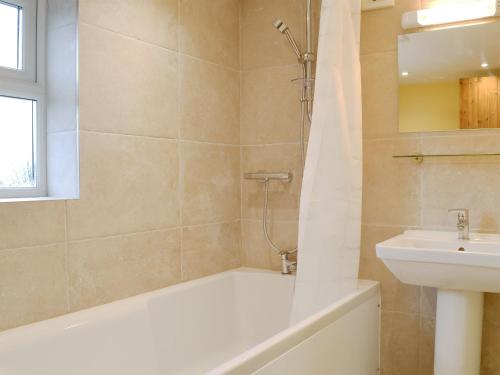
231 323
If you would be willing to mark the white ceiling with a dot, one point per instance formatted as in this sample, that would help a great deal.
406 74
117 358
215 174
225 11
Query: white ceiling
448 54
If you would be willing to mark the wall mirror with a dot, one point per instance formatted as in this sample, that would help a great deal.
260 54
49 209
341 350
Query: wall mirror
449 79
38 99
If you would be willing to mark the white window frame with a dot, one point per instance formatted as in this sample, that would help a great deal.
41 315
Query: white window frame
29 45
29 83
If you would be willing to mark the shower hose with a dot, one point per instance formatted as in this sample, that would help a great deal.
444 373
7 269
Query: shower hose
305 117
265 226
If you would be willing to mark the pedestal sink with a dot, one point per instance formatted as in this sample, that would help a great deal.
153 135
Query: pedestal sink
462 270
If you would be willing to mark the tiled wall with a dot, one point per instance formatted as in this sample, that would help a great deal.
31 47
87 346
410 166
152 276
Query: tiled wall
270 129
399 195
160 163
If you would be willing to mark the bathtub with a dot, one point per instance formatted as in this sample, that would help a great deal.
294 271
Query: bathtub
234 322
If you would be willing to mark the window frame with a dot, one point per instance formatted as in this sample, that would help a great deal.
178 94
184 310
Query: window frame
29 84
29 44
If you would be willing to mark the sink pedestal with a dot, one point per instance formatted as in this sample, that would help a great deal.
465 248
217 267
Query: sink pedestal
459 320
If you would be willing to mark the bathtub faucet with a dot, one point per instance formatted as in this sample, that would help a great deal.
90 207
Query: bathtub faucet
287 266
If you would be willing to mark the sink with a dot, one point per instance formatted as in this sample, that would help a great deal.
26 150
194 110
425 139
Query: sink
439 259
461 270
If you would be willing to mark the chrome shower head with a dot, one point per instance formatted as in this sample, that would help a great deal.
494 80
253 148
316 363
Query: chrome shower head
280 25
283 28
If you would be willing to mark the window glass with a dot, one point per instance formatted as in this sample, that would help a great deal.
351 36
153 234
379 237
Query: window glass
11 36
17 154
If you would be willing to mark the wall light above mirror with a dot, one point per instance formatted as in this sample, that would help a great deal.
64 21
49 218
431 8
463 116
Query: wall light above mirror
449 79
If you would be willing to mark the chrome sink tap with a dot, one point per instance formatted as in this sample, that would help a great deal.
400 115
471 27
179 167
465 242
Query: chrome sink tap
462 222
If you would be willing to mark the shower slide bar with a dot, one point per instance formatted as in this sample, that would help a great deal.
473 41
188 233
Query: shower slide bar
267 176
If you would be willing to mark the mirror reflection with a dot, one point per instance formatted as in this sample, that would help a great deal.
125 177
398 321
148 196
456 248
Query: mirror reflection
449 79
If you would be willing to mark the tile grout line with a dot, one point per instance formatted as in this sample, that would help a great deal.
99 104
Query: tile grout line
177 52
240 36
166 139
66 255
180 147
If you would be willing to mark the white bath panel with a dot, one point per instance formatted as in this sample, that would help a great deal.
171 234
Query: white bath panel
376 4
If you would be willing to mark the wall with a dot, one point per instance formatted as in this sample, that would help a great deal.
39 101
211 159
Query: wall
270 129
429 106
160 164
399 195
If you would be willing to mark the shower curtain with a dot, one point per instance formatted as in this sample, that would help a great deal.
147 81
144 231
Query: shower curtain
330 203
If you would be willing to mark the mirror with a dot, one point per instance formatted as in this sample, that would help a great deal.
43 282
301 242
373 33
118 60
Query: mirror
449 79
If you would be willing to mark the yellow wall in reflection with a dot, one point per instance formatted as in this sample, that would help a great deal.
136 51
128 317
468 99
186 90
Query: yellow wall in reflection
429 107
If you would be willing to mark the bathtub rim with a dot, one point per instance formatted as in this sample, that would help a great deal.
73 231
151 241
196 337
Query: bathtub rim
123 305
250 360
263 353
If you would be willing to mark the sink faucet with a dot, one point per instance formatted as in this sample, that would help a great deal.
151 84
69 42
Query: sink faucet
462 222
287 266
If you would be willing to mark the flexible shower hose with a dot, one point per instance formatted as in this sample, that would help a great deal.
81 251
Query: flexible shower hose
305 116
264 223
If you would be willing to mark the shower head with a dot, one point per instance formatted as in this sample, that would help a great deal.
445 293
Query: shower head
283 28
280 25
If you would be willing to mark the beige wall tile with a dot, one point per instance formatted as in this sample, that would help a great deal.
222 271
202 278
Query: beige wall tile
379 74
428 301
107 269
426 346
470 184
270 106
396 296
31 224
262 45
128 184
490 363
399 344
391 186
209 29
153 21
373 234
283 197
380 28
255 250
32 285
126 86
211 183
210 102
210 249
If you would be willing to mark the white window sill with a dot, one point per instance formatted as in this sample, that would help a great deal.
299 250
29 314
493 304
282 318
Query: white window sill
37 199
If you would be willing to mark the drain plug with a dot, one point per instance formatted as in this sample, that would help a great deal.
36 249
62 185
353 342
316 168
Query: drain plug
461 249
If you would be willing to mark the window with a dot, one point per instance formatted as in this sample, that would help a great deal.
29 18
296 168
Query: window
18 29
11 36
22 101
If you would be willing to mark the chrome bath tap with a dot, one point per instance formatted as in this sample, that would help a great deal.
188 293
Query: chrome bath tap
462 222
287 266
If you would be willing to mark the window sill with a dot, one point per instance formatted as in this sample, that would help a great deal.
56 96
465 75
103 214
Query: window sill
37 199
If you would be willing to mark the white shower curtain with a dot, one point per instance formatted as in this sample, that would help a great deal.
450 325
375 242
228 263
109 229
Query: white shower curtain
330 204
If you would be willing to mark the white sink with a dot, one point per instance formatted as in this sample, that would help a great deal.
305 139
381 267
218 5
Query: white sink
439 259
461 270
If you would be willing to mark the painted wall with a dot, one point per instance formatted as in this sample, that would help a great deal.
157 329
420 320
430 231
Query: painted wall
160 164
429 106
399 195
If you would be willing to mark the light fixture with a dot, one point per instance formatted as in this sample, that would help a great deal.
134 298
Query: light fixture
404 74
484 65
462 11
